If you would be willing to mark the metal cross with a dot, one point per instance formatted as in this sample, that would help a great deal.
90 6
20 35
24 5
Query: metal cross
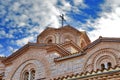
62 17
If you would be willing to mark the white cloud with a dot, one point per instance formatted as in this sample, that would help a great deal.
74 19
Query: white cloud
65 6
1 51
108 25
3 34
24 41
43 12
79 3
16 6
111 3
11 49
46 13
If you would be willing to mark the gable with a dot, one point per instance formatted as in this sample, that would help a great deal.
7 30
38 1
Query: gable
46 47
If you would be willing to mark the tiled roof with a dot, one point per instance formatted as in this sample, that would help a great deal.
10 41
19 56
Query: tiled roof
84 75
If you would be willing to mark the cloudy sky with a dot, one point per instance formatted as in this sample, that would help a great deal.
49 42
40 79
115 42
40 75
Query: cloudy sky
22 20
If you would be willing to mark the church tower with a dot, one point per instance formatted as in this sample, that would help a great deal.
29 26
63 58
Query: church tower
68 37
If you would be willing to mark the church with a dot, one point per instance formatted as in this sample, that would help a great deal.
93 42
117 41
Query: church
64 53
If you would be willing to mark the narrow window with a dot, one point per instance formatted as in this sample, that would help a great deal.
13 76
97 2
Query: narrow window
109 65
26 76
49 41
32 77
29 75
102 66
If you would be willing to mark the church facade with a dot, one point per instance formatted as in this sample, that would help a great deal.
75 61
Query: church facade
64 53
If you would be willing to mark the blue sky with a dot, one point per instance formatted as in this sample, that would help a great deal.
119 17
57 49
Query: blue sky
22 20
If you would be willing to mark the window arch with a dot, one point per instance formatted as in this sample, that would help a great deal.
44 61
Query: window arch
109 65
101 56
49 41
32 76
108 61
26 75
106 65
29 75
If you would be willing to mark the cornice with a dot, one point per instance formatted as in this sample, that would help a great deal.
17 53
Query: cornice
101 39
59 49
22 50
47 47
15 54
71 43
68 57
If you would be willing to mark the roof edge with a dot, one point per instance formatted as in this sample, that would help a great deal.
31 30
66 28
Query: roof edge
101 39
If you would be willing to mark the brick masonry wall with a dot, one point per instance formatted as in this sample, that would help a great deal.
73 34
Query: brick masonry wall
46 67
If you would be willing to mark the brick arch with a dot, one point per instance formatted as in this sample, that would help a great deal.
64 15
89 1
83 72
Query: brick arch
47 38
37 65
14 74
26 68
41 59
44 38
103 59
89 63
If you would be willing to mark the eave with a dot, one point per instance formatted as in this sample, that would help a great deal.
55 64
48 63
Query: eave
93 74
70 43
47 47
22 50
99 40
59 49
68 57
15 54
73 44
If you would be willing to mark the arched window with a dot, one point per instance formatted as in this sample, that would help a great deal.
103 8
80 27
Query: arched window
109 65
49 41
26 76
29 75
102 66
32 77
